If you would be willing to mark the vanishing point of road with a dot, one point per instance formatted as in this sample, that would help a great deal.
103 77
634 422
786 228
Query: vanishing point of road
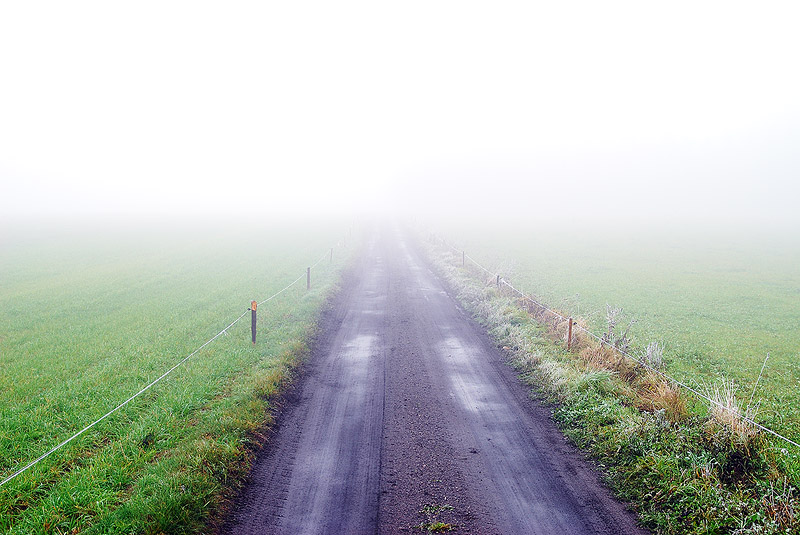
407 414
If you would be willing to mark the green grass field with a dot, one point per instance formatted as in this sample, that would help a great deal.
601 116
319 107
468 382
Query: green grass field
718 301
87 318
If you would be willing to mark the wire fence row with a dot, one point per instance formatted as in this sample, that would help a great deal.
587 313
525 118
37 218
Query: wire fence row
76 435
619 350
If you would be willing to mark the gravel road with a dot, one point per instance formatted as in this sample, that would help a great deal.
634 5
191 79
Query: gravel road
408 415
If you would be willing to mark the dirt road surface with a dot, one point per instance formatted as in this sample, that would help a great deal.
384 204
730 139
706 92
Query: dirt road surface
408 415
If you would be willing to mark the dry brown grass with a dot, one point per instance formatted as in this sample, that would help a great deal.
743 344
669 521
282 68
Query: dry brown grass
780 503
726 411
597 357
654 393
650 392
602 357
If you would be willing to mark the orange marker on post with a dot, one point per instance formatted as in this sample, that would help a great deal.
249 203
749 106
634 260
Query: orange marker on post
253 306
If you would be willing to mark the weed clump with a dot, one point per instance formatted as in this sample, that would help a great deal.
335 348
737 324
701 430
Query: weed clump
726 412
659 394
731 435
653 355
613 317
432 523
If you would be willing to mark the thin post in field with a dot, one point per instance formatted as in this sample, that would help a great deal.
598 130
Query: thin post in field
569 334
308 278
253 306
463 258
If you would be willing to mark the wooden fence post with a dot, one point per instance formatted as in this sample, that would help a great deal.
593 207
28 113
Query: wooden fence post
331 255
569 334
253 306
498 280
308 278
463 258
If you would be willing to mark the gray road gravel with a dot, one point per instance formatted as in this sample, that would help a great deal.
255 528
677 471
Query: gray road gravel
408 414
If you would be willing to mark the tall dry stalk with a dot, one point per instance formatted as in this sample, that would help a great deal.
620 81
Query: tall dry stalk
654 355
726 410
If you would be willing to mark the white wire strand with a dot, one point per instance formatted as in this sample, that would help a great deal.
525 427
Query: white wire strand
468 257
477 264
270 298
118 407
146 388
298 279
320 260
628 355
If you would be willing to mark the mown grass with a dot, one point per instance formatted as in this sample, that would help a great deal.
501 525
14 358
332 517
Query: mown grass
683 472
88 318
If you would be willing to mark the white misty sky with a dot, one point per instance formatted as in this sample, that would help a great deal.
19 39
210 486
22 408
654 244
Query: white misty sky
686 109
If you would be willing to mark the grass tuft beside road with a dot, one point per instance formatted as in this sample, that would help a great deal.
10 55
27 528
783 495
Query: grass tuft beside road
87 321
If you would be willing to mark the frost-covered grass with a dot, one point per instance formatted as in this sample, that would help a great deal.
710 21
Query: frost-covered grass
88 317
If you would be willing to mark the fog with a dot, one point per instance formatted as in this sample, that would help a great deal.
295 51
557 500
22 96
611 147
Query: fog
622 113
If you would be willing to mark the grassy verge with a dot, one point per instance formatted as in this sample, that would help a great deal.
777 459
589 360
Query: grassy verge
717 300
87 322
684 470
